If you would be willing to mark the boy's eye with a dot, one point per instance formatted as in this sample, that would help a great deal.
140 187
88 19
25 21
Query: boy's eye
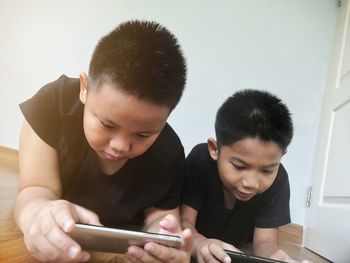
238 167
267 172
106 125
142 135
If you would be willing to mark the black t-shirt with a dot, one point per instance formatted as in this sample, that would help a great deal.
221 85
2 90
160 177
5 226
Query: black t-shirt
152 179
203 191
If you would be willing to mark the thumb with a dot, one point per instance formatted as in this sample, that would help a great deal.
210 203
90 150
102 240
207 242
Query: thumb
85 216
63 215
229 247
186 240
169 224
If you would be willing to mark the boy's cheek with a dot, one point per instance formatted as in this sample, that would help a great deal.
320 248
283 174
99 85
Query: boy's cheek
266 185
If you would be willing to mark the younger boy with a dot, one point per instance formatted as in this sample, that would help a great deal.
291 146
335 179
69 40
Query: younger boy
236 191
98 149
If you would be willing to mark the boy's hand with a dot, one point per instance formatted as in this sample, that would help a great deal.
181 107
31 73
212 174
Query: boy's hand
45 227
212 250
153 252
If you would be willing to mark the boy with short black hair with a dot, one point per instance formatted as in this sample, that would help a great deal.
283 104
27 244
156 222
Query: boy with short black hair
99 149
236 191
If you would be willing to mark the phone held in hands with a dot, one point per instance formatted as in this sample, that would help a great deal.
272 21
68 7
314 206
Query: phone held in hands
238 257
105 239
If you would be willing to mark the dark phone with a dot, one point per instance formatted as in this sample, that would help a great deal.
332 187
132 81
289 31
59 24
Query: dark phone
238 257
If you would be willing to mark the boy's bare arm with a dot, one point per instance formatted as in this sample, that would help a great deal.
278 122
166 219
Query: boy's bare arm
265 241
39 172
188 219
204 249
265 244
43 218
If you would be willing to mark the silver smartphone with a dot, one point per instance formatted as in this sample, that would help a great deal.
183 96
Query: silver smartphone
104 239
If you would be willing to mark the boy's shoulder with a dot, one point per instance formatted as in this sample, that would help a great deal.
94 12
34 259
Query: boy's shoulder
53 109
63 83
167 147
60 96
200 162
65 89
281 183
282 175
199 153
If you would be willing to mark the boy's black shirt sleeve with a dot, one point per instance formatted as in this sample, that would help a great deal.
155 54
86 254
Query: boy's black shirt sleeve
203 191
152 179
196 184
42 109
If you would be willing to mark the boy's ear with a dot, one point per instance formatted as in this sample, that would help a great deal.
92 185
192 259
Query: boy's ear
83 87
213 148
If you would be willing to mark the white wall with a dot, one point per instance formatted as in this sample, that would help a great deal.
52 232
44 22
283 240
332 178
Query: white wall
281 46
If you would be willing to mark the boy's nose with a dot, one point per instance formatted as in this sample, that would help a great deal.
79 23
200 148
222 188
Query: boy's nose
251 182
119 144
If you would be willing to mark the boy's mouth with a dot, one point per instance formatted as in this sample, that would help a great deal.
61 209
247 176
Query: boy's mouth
109 156
244 195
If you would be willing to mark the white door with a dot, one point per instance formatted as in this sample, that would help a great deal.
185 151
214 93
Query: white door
327 224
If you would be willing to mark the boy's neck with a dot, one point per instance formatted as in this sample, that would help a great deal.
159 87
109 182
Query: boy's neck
230 199
111 167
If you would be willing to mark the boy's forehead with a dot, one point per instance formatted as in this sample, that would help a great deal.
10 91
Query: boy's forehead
115 105
253 146
113 90
252 142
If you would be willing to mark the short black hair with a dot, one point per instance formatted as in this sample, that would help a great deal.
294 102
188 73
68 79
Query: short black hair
253 113
144 59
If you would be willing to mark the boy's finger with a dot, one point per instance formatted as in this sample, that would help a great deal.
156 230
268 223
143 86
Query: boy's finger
131 258
86 216
49 250
44 250
186 240
169 224
165 254
66 245
67 214
210 258
141 254
159 251
229 247
218 252
62 215
65 217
